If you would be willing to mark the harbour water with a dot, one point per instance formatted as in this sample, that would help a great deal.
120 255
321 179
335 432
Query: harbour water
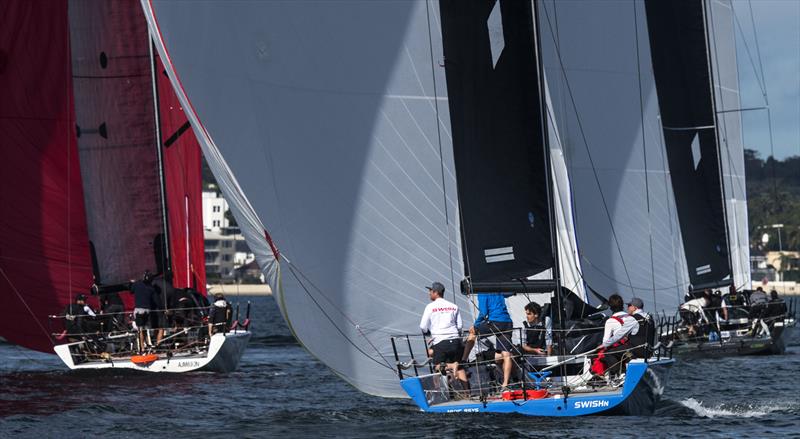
281 391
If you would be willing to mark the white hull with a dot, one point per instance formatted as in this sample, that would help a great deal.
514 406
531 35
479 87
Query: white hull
223 355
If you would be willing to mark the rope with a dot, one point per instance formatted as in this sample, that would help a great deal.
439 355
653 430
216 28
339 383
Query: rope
294 271
586 146
644 153
21 299
441 155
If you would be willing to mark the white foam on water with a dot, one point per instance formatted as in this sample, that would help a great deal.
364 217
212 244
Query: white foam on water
743 411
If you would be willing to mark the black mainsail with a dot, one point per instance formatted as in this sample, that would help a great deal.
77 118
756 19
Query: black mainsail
493 84
684 80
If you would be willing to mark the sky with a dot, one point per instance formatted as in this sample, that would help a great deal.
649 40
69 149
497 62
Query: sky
777 30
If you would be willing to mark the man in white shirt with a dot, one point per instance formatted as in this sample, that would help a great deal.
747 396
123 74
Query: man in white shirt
615 337
442 319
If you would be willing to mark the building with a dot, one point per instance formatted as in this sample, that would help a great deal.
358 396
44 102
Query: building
225 250
214 208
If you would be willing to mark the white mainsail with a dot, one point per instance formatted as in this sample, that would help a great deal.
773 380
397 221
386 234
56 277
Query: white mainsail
596 56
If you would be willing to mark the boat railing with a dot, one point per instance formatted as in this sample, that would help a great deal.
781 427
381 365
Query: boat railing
537 371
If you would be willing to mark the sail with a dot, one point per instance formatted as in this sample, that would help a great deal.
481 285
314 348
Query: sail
183 187
596 57
333 118
681 64
722 54
44 252
498 142
698 90
115 118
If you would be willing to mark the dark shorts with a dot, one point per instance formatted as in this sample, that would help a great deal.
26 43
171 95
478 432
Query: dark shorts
142 318
158 319
448 351
502 331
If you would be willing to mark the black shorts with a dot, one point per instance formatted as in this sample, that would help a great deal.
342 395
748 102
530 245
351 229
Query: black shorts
142 319
448 351
158 319
502 331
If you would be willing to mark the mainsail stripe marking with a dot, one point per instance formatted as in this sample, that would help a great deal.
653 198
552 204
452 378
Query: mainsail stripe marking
498 251
501 258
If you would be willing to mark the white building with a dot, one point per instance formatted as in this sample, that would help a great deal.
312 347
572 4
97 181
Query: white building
214 208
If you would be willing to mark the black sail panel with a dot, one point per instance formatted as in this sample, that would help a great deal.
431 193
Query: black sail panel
681 67
495 111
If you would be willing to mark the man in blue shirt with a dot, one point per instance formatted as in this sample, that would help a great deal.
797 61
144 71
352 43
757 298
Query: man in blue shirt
494 319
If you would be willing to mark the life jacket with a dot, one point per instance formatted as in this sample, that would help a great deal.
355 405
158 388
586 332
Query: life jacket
534 335
223 313
644 337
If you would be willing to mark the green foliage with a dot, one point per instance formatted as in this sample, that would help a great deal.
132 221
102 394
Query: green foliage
773 197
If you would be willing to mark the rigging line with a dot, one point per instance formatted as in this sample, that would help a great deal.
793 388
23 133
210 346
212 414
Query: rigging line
662 149
441 156
766 97
311 296
21 299
68 136
588 152
759 80
644 152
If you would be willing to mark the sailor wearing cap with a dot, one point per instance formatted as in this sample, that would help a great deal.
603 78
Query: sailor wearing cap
641 337
442 319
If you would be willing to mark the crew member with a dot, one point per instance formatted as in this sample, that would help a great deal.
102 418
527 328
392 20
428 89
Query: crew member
615 337
220 315
143 302
443 321
77 317
642 339
494 319
692 313
538 331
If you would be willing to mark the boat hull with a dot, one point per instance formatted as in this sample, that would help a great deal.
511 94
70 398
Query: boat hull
223 355
639 396
775 344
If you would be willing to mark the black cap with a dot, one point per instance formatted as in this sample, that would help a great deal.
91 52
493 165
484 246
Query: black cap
437 286
80 297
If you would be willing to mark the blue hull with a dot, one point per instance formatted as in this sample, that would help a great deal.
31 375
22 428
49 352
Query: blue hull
639 396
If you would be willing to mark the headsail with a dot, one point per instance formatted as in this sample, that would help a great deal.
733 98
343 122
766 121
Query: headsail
183 187
44 252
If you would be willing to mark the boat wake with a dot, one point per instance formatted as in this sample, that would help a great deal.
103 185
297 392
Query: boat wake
754 410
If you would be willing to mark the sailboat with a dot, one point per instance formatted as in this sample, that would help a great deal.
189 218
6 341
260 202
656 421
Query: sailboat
104 184
694 61
354 142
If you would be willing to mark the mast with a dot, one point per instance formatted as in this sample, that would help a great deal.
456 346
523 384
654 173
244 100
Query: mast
548 171
164 250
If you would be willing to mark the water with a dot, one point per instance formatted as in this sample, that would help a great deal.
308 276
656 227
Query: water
280 390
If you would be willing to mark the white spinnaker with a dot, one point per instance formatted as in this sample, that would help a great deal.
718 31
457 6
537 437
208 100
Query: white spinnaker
722 45
597 60
333 117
